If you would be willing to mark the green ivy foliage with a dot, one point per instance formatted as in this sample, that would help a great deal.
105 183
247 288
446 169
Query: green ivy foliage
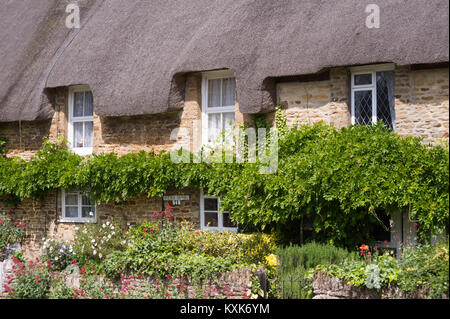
338 178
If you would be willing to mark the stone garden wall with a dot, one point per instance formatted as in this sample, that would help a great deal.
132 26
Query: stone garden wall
325 287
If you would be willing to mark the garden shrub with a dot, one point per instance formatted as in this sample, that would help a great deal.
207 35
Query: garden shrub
296 264
294 259
425 269
422 270
11 232
30 280
337 178
96 241
58 255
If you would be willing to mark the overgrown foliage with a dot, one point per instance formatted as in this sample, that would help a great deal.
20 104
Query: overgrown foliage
338 179
11 231
421 271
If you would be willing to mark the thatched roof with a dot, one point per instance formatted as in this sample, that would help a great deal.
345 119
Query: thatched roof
134 54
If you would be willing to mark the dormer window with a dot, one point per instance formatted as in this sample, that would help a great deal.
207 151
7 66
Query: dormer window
373 95
81 120
218 107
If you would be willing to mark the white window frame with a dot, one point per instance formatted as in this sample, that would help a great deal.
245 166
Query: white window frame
78 219
220 226
368 69
206 110
71 120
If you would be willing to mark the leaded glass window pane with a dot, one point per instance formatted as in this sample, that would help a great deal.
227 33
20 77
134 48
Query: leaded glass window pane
385 98
363 107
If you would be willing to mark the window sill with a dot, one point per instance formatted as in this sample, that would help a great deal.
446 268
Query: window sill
221 229
82 151
77 221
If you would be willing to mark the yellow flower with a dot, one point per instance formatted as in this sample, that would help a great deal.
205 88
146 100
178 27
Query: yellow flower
271 260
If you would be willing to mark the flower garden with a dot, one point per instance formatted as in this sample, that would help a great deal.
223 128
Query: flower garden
341 182
167 259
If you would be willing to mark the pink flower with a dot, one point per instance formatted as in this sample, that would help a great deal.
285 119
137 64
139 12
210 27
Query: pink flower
155 213
1 220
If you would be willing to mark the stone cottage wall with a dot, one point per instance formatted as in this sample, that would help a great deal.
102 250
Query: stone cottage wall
421 107
43 218
421 101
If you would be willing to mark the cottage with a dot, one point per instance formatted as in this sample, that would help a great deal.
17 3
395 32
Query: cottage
135 71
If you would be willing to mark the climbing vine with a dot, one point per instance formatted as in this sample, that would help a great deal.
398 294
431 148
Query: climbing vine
339 179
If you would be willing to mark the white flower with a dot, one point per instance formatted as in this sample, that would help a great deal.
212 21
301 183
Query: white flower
94 252
107 223
100 255
91 214
93 241
77 228
103 225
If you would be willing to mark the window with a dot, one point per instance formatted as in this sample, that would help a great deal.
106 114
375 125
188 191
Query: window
373 95
218 106
81 120
77 206
211 217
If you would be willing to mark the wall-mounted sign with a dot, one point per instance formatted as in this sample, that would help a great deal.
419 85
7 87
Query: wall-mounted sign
176 199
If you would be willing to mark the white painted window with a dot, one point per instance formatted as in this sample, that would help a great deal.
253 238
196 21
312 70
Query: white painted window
373 95
81 120
211 217
218 107
77 206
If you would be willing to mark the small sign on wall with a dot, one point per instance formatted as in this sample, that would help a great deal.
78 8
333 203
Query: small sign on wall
176 199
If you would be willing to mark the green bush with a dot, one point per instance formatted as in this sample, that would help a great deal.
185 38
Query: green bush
58 255
96 241
338 179
294 259
29 280
11 232
425 269
421 271
296 264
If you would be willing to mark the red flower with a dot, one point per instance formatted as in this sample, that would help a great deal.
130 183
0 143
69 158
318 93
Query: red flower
155 213
145 229
93 268
21 224
74 262
1 220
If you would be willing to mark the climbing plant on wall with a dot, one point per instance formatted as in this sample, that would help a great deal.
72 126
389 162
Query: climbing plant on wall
336 178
